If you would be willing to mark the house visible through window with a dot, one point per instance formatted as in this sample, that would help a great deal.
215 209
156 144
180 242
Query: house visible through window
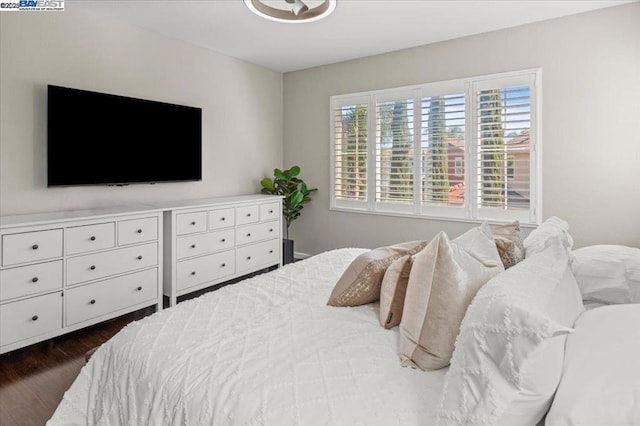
462 149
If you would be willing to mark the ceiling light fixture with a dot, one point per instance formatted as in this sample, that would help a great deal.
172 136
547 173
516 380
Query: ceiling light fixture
296 10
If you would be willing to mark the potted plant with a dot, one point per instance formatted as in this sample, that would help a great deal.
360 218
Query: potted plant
295 194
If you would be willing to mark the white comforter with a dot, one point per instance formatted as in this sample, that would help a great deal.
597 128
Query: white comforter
264 351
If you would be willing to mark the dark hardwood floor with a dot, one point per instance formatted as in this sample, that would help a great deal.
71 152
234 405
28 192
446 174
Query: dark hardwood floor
34 379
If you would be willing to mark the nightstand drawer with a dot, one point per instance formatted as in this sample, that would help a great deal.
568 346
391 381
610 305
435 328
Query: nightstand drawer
82 239
189 223
223 218
256 255
258 232
101 265
194 245
203 269
30 318
32 279
137 231
101 298
247 214
270 211
31 246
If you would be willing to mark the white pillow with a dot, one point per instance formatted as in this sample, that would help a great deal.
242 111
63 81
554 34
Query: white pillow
508 355
540 237
608 274
601 376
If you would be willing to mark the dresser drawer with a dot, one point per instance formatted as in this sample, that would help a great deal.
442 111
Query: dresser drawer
100 265
222 218
203 269
188 223
81 239
258 232
256 255
32 279
30 318
270 211
194 245
31 246
247 214
137 230
97 299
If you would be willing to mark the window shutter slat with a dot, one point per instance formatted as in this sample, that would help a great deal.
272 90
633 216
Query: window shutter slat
350 152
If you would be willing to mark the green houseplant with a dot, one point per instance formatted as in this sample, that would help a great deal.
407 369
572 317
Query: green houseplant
295 193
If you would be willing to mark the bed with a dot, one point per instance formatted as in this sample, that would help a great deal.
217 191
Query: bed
267 350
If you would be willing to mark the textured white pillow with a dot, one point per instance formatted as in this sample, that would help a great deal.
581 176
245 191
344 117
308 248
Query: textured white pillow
508 355
608 274
601 376
540 237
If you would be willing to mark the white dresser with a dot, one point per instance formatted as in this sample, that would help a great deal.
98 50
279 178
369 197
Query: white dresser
63 271
218 239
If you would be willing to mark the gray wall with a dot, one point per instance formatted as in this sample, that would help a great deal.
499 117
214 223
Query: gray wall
241 103
590 124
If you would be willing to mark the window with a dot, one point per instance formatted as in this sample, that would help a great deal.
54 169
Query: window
461 149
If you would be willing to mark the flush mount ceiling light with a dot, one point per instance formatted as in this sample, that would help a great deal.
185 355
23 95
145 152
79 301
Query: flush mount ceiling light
291 10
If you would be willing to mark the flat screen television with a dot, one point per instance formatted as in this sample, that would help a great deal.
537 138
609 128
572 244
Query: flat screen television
102 139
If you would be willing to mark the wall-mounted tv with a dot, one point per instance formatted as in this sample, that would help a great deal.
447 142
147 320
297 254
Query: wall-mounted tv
102 139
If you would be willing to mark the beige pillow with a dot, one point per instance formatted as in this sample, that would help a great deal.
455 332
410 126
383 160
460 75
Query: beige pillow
509 243
360 283
444 278
392 291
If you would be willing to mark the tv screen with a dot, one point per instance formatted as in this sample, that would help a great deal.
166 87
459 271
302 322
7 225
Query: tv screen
97 138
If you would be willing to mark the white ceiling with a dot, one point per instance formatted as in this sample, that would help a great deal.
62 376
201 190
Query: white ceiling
356 29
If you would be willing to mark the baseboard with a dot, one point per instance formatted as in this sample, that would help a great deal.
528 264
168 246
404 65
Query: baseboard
298 255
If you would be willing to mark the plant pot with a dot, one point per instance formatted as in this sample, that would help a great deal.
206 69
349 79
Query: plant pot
287 251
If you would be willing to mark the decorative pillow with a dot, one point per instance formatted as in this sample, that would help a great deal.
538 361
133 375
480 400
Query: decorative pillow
509 243
608 274
444 278
601 376
393 290
360 283
540 237
508 356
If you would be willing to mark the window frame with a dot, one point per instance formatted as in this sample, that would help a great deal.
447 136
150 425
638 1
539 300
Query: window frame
469 211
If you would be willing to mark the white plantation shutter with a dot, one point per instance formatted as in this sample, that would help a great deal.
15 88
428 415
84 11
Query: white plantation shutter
504 123
350 152
463 149
394 151
443 150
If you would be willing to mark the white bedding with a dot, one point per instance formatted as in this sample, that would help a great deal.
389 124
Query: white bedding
264 351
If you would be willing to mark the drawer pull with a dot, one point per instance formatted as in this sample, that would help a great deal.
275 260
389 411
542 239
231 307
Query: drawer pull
223 240
193 246
139 231
193 223
139 288
193 273
93 238
34 318
92 301
223 218
34 279
35 247
271 230
270 251
248 257
249 234
92 267
270 211
248 214
223 265
139 257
